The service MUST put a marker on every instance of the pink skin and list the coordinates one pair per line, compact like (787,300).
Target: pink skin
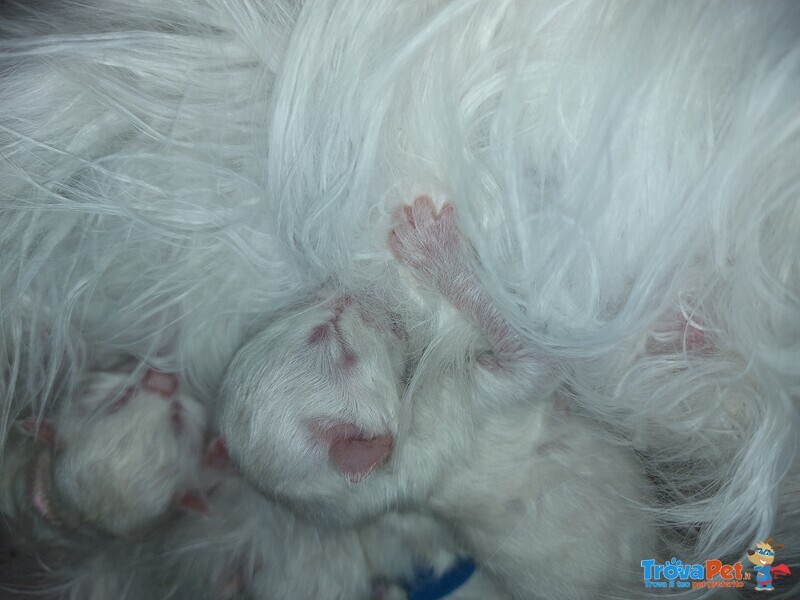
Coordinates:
(354,453)
(160,383)
(430,244)
(330,329)
(693,338)
(39,489)
(683,336)
(194,501)
(216,455)
(166,386)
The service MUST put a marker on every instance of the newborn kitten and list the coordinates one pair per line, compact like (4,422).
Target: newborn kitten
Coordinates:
(311,409)
(114,460)
(249,546)
(319,387)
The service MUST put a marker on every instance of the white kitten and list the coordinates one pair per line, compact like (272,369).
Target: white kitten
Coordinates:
(114,460)
(248,544)
(312,410)
(319,387)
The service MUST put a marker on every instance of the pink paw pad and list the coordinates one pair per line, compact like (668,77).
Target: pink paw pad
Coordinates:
(158,382)
(421,236)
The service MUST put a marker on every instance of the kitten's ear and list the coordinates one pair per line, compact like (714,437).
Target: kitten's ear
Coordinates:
(42,431)
(38,488)
(355,453)
(216,454)
(194,501)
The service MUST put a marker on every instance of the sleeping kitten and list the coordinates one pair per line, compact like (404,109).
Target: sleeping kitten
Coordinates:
(251,546)
(114,460)
(70,474)
(313,407)
(247,546)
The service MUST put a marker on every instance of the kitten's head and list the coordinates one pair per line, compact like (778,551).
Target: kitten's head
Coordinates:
(309,407)
(123,454)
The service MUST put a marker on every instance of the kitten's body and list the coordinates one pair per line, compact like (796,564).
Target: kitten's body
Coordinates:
(119,458)
(489,449)
(250,544)
(114,460)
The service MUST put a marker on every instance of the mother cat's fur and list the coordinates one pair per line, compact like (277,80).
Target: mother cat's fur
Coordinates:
(173,172)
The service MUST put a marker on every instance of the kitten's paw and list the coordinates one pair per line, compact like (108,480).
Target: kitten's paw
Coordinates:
(423,239)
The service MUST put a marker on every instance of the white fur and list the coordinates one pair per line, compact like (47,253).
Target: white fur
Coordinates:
(172,172)
(248,546)
(115,469)
(529,490)
(126,469)
(282,555)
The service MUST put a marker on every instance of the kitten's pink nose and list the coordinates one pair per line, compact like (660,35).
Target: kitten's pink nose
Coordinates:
(158,382)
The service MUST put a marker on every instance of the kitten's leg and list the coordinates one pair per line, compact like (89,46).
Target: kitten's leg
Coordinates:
(431,245)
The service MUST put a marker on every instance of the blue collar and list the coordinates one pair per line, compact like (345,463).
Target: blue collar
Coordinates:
(427,586)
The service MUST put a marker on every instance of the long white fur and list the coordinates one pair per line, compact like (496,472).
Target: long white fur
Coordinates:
(173,171)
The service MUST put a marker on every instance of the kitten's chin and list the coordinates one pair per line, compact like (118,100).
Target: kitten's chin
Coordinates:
(344,510)
(341,517)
